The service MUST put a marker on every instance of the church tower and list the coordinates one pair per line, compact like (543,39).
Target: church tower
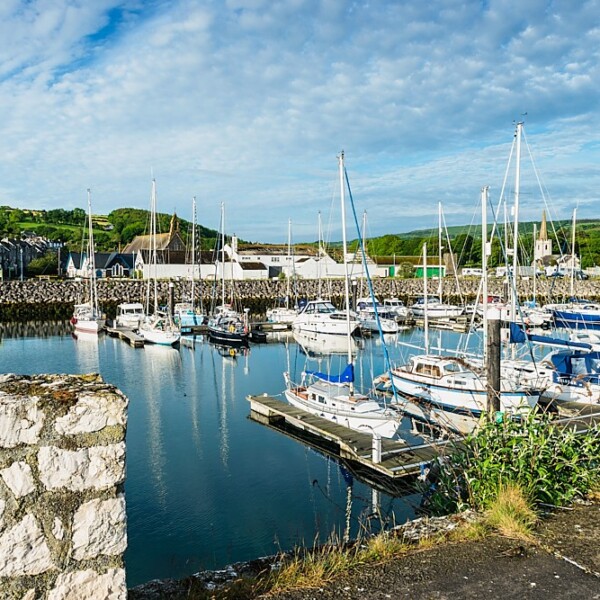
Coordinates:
(543,245)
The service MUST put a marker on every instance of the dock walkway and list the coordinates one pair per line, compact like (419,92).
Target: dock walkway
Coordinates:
(398,459)
(128,335)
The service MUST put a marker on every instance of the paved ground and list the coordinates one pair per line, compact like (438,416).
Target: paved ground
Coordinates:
(565,564)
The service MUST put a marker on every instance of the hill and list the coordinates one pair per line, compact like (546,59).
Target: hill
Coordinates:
(111,231)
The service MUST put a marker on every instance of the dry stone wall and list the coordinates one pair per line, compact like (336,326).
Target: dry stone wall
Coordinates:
(62,471)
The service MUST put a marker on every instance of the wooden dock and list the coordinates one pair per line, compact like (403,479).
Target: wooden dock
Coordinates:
(128,335)
(399,460)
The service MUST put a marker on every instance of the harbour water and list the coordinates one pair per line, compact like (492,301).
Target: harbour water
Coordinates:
(206,486)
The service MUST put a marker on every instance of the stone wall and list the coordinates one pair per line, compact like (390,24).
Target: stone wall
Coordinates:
(62,506)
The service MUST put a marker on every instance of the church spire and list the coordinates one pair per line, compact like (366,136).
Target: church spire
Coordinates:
(174,226)
(543,237)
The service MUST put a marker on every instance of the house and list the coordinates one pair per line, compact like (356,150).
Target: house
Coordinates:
(16,254)
(108,264)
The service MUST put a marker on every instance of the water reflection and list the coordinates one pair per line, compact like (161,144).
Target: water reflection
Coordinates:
(160,367)
(35,329)
(87,352)
(314,344)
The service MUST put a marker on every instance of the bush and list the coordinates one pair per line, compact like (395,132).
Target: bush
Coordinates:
(553,465)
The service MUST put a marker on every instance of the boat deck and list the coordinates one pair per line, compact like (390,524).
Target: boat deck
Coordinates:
(398,459)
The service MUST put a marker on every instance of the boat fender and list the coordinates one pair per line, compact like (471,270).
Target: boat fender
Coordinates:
(245,329)
(73,320)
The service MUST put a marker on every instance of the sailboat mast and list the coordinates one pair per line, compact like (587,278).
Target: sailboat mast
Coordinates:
(573,254)
(289,260)
(154,254)
(513,307)
(319,258)
(425,307)
(484,255)
(92,257)
(223,254)
(534,266)
(193,252)
(440,279)
(344,246)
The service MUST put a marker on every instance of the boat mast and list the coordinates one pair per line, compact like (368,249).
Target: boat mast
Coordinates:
(92,259)
(484,255)
(289,260)
(425,307)
(193,252)
(223,255)
(573,255)
(344,245)
(534,267)
(319,257)
(514,300)
(440,270)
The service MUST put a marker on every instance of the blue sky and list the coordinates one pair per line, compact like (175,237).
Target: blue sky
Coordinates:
(248,102)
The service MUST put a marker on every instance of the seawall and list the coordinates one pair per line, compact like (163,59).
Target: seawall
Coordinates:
(62,472)
(55,299)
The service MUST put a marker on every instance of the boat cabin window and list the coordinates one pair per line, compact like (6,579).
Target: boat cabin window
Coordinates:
(578,366)
(452,368)
(427,369)
(321,399)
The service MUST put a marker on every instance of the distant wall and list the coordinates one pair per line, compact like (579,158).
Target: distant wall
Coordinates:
(62,506)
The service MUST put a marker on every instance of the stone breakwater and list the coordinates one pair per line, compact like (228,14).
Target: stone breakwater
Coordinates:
(55,299)
(62,470)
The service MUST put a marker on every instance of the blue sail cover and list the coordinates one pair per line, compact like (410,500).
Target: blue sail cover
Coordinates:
(346,376)
(518,336)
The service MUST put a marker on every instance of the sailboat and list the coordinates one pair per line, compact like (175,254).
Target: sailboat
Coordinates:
(87,317)
(285,314)
(436,307)
(157,327)
(186,315)
(227,326)
(450,391)
(333,397)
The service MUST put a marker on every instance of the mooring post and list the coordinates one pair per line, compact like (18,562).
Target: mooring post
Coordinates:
(171,298)
(493,360)
(376,455)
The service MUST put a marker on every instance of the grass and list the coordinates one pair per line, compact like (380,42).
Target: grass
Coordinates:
(512,513)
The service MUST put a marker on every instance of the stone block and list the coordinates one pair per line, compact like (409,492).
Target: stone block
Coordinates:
(98,468)
(24,550)
(21,421)
(19,479)
(93,413)
(99,529)
(90,585)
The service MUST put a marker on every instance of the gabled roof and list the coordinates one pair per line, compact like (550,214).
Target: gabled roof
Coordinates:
(252,266)
(76,258)
(144,242)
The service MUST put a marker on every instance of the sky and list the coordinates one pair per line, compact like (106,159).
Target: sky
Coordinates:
(249,102)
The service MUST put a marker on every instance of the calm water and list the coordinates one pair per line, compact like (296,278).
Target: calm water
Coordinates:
(206,486)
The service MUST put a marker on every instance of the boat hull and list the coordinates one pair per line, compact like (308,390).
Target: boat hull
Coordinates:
(383,425)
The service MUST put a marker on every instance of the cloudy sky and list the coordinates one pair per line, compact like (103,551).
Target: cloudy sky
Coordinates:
(248,102)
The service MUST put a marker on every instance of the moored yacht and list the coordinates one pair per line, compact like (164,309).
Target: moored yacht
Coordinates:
(321,316)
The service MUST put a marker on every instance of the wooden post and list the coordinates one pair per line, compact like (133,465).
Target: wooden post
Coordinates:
(493,360)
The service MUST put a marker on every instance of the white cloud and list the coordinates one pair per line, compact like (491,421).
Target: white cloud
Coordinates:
(248,102)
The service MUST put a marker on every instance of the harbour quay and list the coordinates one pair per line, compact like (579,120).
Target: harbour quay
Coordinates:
(54,299)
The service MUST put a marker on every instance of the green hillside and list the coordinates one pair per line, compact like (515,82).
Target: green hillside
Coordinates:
(111,231)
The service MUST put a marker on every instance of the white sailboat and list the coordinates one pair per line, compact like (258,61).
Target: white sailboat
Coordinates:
(157,327)
(449,391)
(87,317)
(334,397)
(186,314)
(285,314)
(227,326)
(436,307)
